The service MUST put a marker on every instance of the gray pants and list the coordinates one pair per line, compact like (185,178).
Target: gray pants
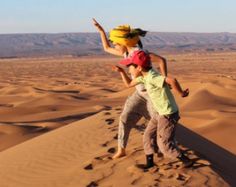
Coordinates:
(163,129)
(136,107)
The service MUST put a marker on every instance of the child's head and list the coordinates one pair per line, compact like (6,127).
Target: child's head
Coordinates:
(139,62)
(126,36)
(134,70)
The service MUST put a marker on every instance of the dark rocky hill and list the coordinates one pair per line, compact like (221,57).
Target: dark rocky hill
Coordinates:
(29,45)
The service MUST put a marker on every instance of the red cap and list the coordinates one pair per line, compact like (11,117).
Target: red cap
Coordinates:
(139,58)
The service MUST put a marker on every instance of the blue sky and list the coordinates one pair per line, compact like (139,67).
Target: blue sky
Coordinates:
(56,16)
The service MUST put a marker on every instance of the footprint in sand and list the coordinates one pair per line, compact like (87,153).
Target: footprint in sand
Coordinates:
(115,137)
(88,167)
(111,150)
(114,130)
(182,177)
(107,108)
(142,167)
(167,167)
(104,144)
(92,184)
(109,121)
(107,113)
(118,109)
(97,161)
(105,157)
(6,105)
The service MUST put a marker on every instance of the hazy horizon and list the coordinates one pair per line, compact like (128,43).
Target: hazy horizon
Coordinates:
(73,16)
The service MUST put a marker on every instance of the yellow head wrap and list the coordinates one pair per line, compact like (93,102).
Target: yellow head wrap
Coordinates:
(120,35)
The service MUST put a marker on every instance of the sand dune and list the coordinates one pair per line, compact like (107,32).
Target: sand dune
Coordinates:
(79,154)
(84,98)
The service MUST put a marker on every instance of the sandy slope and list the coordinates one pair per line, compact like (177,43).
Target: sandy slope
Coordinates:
(79,154)
(40,95)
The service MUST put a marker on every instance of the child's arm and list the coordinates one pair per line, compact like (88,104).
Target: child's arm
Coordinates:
(127,81)
(176,86)
(161,62)
(105,42)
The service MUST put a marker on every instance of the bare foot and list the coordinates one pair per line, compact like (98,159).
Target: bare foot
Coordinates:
(120,153)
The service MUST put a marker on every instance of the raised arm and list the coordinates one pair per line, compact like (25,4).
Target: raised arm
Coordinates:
(105,43)
(160,61)
(127,81)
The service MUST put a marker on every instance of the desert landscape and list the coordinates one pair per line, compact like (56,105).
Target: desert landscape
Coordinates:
(59,121)
(84,43)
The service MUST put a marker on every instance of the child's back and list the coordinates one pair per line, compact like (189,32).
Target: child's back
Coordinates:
(159,92)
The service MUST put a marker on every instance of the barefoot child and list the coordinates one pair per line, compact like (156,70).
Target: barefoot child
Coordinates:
(165,118)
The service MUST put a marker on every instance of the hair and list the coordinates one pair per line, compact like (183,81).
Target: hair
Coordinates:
(135,32)
(145,69)
(140,44)
(135,65)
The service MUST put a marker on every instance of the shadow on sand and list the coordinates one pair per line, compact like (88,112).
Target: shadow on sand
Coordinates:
(222,161)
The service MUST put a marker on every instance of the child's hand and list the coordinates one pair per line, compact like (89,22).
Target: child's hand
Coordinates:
(96,24)
(185,93)
(117,69)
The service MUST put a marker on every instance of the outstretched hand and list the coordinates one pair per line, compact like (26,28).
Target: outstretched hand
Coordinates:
(117,69)
(96,24)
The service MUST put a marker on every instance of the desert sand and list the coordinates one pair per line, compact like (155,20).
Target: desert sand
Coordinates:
(59,119)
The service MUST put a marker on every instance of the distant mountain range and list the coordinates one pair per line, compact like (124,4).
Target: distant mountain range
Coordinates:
(77,44)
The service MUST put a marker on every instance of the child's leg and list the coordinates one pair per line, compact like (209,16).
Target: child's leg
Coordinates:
(134,109)
(166,135)
(148,141)
(152,112)
(166,139)
(149,135)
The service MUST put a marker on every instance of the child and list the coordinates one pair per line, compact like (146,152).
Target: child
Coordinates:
(126,40)
(163,122)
